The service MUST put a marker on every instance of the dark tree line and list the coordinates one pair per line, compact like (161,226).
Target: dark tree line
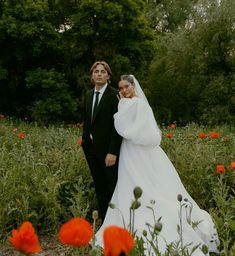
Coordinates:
(192,77)
(181,51)
(47,48)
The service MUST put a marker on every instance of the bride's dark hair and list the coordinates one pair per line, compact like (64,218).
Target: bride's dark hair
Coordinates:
(128,78)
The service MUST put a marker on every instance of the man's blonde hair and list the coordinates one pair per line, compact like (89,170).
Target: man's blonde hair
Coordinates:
(105,65)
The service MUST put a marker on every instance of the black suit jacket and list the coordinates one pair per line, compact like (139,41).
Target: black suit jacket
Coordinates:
(105,137)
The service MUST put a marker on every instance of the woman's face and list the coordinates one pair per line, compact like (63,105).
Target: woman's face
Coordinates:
(126,88)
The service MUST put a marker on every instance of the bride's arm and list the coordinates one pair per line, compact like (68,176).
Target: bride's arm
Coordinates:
(135,121)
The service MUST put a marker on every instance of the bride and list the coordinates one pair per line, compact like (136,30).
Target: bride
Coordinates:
(144,164)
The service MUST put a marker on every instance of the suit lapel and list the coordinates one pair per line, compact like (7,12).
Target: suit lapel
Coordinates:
(104,96)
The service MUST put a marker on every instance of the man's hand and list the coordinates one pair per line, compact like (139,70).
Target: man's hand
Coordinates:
(110,160)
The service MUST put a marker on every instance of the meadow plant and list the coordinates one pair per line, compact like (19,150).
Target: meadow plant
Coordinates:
(45,177)
(147,244)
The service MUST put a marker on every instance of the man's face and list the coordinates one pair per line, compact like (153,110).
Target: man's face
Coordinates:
(100,75)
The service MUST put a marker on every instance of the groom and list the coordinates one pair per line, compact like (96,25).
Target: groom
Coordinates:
(101,142)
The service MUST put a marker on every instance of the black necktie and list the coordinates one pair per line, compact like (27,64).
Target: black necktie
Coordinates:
(96,104)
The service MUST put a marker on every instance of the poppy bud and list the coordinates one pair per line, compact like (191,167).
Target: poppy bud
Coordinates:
(135,205)
(179,198)
(137,192)
(112,206)
(158,226)
(145,233)
(95,215)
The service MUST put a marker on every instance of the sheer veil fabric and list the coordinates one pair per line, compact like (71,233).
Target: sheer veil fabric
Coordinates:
(143,163)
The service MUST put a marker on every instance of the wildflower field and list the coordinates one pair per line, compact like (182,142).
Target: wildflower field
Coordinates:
(45,178)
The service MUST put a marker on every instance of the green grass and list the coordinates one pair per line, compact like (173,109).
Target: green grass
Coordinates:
(44,177)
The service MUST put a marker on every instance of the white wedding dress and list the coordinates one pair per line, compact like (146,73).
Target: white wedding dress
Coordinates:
(143,163)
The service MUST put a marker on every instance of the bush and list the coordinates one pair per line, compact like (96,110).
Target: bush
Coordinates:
(51,98)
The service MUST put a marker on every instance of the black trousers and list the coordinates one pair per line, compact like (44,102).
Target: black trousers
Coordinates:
(105,178)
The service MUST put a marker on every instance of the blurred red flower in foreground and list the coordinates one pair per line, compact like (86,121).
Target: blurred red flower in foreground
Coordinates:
(76,232)
(214,135)
(169,135)
(202,135)
(232,166)
(117,240)
(21,135)
(25,239)
(220,169)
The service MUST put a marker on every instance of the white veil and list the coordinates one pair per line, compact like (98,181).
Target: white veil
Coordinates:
(141,95)
(138,89)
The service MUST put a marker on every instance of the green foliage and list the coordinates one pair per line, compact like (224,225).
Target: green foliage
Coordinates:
(190,45)
(167,15)
(67,37)
(128,41)
(191,76)
(188,152)
(223,195)
(217,104)
(196,159)
(3,73)
(44,177)
(27,40)
(52,101)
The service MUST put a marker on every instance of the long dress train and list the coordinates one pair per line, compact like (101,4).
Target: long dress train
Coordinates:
(143,163)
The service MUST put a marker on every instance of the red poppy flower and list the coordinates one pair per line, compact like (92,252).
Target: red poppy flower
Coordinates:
(25,239)
(220,169)
(202,135)
(79,125)
(169,135)
(232,166)
(117,240)
(21,135)
(79,141)
(172,126)
(76,232)
(225,138)
(214,135)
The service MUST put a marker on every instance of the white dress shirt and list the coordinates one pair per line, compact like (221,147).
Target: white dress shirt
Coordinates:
(101,91)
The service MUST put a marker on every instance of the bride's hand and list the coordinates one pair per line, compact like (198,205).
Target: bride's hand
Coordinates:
(120,95)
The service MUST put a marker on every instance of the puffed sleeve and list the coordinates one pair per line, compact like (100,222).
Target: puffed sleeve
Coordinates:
(135,121)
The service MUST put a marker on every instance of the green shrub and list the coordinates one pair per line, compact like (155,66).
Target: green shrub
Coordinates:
(51,98)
